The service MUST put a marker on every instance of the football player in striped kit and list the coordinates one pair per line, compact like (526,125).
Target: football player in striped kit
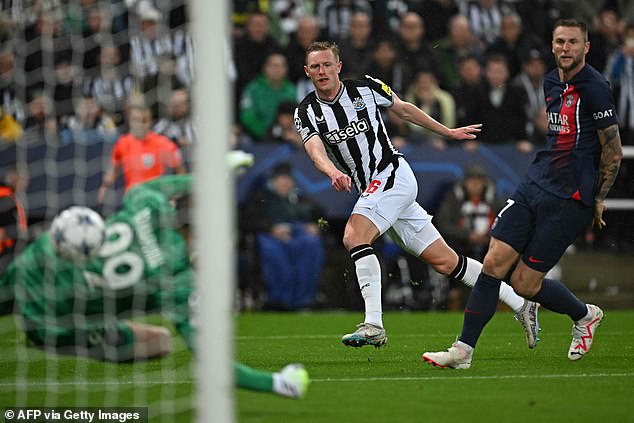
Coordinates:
(342,120)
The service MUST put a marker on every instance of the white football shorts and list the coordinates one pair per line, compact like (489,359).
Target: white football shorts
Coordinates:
(390,204)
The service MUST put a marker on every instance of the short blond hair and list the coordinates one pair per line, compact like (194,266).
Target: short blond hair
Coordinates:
(321,46)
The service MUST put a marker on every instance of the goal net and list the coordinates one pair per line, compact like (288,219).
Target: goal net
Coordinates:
(71,72)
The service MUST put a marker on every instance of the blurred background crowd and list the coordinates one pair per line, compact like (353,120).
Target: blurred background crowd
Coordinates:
(71,71)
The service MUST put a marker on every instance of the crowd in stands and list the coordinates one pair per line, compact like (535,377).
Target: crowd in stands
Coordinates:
(69,69)
(462,61)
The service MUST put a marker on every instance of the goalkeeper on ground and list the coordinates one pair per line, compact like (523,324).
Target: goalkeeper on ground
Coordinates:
(143,267)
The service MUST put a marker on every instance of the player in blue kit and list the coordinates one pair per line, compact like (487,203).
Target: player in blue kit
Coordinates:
(563,193)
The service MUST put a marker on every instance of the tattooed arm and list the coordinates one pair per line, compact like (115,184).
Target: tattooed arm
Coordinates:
(611,155)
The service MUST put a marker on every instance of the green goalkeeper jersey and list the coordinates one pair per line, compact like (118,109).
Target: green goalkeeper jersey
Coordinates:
(143,267)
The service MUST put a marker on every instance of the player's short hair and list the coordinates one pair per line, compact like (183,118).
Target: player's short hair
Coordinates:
(321,46)
(573,23)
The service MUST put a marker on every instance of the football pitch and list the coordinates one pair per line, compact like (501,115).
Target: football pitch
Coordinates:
(506,383)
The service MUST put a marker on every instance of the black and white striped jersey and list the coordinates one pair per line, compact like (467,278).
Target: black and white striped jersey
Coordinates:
(351,127)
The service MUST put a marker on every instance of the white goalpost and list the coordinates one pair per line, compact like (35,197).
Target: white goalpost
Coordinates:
(214,205)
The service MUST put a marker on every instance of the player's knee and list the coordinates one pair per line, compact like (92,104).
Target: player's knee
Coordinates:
(351,239)
(441,257)
(525,287)
(493,266)
(443,265)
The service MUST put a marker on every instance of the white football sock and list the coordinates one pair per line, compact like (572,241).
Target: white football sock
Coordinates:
(369,277)
(507,295)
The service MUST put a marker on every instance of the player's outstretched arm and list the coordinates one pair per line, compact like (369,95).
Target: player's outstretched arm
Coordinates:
(317,153)
(611,155)
(407,111)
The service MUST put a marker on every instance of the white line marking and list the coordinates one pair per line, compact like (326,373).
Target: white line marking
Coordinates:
(493,377)
(45,383)
(412,335)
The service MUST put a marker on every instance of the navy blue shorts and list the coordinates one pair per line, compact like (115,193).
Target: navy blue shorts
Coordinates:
(540,226)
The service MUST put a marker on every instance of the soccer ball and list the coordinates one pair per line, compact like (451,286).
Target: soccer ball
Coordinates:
(78,233)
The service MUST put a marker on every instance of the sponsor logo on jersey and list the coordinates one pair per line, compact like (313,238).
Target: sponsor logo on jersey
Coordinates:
(386,88)
(352,130)
(570,99)
(320,119)
(558,123)
(603,114)
(358,104)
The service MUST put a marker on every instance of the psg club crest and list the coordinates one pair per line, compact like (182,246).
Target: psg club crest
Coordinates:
(358,104)
(570,99)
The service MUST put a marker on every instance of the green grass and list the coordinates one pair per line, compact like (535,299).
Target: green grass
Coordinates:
(507,381)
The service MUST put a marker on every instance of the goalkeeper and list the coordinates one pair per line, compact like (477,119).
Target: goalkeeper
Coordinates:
(143,267)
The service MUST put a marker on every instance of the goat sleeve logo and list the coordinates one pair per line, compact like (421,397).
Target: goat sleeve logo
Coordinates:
(353,129)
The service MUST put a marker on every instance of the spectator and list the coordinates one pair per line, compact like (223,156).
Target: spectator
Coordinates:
(531,80)
(111,84)
(464,218)
(252,49)
(7,26)
(437,103)
(261,96)
(460,42)
(89,125)
(177,125)
(10,130)
(283,130)
(141,155)
(471,87)
(387,15)
(357,48)
(307,32)
(286,17)
(10,94)
(386,66)
(501,107)
(413,50)
(288,239)
(605,38)
(620,73)
(512,42)
(97,31)
(485,17)
(13,223)
(42,43)
(66,88)
(157,54)
(334,16)
(436,15)
(40,124)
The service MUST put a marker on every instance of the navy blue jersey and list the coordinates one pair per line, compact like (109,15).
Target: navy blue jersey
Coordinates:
(576,109)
